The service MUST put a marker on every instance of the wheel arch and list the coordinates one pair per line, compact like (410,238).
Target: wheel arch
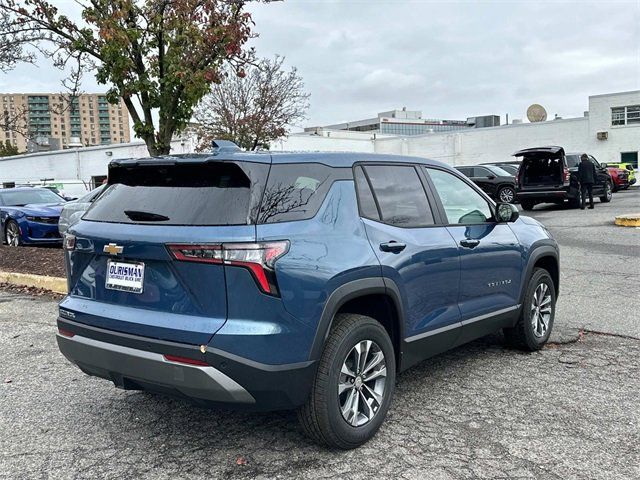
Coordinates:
(546,257)
(375,297)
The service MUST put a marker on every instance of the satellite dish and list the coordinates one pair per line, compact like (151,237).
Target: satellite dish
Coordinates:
(536,113)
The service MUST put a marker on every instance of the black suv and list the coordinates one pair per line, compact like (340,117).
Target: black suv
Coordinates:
(549,175)
(494,181)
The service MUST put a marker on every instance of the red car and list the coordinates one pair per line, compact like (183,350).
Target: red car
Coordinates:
(620,178)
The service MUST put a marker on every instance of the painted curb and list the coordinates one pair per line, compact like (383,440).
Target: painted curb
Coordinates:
(628,220)
(55,284)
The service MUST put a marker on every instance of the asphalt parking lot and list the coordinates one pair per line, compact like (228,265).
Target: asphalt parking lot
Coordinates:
(570,411)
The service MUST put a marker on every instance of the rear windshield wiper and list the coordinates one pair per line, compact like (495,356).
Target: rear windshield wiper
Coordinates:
(140,216)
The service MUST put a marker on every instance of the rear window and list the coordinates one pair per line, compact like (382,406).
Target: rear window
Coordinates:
(221,193)
(295,191)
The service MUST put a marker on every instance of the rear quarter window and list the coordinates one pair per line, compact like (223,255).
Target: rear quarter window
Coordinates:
(295,191)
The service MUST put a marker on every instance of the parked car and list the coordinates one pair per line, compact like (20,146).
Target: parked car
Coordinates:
(296,280)
(626,166)
(509,167)
(73,211)
(548,175)
(619,177)
(494,181)
(29,215)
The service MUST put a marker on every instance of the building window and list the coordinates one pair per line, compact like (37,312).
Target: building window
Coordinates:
(629,115)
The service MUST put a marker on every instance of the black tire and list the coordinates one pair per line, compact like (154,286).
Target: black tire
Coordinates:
(508,193)
(321,417)
(527,206)
(522,335)
(575,202)
(11,224)
(614,188)
(608,193)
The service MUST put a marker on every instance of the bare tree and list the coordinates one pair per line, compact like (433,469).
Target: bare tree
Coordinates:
(255,109)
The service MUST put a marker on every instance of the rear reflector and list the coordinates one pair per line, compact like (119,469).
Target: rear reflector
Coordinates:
(188,361)
(65,333)
(259,258)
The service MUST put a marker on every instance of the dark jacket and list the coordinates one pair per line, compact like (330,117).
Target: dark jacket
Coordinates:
(587,172)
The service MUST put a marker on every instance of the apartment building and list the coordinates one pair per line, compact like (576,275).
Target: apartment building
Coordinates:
(50,118)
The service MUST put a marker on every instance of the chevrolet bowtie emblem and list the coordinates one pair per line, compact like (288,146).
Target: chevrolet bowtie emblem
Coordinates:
(112,249)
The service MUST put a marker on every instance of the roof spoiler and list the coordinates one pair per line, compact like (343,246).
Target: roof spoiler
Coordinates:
(224,146)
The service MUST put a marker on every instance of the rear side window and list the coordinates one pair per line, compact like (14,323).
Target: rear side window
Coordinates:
(572,160)
(295,191)
(221,193)
(400,195)
(366,201)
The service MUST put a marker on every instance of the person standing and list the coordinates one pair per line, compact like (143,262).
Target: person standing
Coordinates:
(587,175)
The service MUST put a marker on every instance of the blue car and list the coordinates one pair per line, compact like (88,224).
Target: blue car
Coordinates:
(300,281)
(29,216)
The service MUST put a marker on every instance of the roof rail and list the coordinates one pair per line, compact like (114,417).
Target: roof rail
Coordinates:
(224,146)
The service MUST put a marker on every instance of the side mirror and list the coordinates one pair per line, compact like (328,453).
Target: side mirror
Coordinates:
(603,165)
(506,212)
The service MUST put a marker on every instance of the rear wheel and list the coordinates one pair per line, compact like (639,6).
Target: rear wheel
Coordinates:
(527,205)
(354,384)
(575,202)
(506,194)
(538,312)
(608,193)
(12,234)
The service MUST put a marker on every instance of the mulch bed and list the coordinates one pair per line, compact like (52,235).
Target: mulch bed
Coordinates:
(32,291)
(35,260)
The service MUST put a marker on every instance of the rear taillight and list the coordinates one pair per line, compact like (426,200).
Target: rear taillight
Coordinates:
(259,258)
(566,176)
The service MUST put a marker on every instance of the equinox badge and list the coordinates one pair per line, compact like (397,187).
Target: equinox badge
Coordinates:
(112,249)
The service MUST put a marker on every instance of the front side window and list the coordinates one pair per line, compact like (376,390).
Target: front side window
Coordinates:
(462,204)
(400,195)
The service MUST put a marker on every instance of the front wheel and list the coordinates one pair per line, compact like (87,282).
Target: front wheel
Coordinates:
(12,234)
(608,193)
(534,326)
(354,384)
(507,194)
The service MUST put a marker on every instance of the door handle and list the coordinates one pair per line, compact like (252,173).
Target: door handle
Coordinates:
(392,246)
(470,243)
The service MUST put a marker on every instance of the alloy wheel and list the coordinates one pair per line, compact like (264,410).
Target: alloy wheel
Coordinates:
(13,235)
(609,192)
(361,384)
(507,195)
(541,310)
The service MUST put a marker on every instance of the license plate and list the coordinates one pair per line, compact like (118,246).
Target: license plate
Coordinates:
(125,276)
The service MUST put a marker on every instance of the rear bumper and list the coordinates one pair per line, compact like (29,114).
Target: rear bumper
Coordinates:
(543,196)
(138,363)
(125,365)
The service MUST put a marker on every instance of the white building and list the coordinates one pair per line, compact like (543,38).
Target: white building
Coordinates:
(610,131)
(87,165)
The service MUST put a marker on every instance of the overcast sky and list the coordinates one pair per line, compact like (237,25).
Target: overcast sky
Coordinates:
(450,59)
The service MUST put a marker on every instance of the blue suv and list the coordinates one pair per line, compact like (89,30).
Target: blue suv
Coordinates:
(296,280)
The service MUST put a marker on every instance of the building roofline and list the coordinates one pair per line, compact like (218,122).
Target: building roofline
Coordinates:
(629,92)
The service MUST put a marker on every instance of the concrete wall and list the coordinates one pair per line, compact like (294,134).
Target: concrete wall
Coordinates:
(81,164)
(494,144)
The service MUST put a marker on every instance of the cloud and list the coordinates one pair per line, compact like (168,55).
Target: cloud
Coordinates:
(450,59)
